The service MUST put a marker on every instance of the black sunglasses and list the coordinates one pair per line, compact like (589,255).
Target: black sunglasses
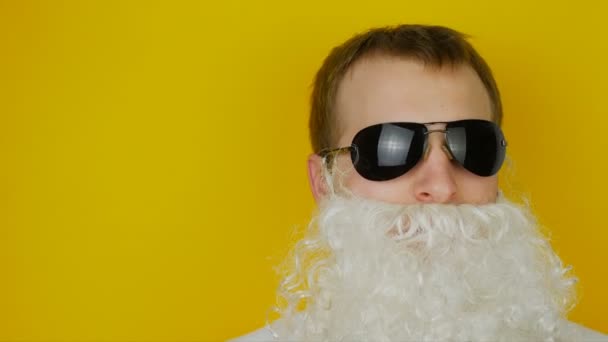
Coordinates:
(388,150)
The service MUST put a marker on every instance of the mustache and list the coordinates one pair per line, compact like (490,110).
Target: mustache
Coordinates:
(423,222)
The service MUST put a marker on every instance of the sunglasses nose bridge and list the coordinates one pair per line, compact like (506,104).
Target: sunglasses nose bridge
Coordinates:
(444,146)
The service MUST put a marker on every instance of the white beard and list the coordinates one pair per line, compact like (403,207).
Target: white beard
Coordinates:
(372,271)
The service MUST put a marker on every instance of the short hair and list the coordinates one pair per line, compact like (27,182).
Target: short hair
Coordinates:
(431,45)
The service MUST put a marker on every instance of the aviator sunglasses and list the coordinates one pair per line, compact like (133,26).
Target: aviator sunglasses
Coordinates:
(388,150)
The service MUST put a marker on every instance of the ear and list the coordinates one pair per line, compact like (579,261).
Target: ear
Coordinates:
(315,177)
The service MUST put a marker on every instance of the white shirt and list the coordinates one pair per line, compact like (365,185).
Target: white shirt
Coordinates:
(570,331)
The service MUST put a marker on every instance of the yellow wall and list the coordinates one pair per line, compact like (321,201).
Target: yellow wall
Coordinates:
(153,154)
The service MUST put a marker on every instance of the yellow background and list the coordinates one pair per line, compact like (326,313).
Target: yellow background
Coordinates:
(153,153)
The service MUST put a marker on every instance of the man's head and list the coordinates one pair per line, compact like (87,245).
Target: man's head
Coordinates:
(409,73)
(412,241)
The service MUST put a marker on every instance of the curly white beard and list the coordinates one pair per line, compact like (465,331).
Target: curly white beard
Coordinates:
(372,271)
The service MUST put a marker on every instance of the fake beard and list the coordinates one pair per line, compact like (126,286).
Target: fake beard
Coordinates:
(372,271)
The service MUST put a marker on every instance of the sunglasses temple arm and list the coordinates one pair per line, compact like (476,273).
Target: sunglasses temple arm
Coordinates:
(328,154)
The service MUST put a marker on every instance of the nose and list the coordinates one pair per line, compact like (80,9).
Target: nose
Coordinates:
(434,178)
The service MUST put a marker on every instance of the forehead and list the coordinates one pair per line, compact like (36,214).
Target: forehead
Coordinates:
(392,89)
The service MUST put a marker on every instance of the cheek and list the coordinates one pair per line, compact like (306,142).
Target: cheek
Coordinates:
(382,191)
(346,174)
(396,191)
(478,190)
(360,186)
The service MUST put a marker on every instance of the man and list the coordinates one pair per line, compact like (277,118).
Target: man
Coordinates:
(413,240)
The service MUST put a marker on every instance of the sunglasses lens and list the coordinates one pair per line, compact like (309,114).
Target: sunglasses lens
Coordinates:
(478,145)
(386,151)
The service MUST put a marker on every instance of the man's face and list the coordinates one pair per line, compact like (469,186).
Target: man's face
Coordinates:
(387,89)
(419,268)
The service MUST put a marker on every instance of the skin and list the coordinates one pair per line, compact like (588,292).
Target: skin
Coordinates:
(381,89)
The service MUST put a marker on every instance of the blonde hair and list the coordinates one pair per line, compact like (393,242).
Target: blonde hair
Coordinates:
(431,45)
